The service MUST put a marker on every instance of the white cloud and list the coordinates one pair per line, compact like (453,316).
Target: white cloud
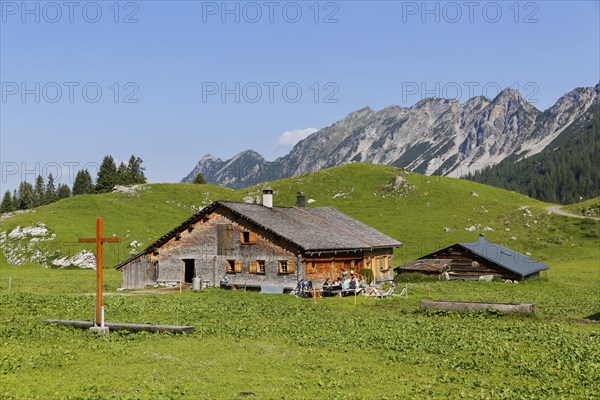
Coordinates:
(290,138)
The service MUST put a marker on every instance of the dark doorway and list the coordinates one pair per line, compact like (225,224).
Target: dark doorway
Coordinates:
(189,270)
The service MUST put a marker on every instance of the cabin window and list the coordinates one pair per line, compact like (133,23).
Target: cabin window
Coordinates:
(230,266)
(386,264)
(257,267)
(382,263)
(247,237)
(234,266)
(286,267)
(283,267)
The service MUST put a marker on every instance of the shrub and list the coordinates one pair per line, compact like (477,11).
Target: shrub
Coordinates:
(415,277)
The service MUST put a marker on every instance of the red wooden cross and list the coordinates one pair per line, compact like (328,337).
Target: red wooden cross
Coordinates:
(99,240)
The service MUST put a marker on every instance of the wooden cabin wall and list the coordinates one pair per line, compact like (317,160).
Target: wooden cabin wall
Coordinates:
(139,274)
(318,268)
(217,239)
(381,262)
(470,265)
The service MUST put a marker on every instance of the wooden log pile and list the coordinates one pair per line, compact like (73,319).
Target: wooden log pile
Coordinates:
(522,308)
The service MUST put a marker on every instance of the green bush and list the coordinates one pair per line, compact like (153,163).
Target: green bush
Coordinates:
(415,277)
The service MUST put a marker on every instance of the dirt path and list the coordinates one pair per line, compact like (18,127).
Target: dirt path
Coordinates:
(557,210)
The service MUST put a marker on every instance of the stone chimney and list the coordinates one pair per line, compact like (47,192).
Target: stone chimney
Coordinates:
(481,237)
(300,199)
(267,197)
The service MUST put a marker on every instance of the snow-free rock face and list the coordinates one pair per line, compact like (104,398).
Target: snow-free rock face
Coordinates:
(25,244)
(434,137)
(552,122)
(28,244)
(208,166)
(83,259)
(247,166)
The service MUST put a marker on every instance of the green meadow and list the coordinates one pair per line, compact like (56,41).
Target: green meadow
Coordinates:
(249,345)
(589,207)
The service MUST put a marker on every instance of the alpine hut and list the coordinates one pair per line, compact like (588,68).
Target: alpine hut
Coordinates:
(251,245)
(472,260)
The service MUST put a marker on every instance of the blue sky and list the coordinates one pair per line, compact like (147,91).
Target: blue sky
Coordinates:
(172,81)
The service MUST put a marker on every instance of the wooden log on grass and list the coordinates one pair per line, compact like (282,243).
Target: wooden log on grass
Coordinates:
(124,326)
(522,308)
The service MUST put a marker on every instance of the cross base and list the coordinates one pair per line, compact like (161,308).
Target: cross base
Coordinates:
(100,330)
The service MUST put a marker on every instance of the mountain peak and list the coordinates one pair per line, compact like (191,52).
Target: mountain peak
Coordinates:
(249,154)
(359,113)
(435,102)
(476,100)
(508,94)
(435,136)
(207,158)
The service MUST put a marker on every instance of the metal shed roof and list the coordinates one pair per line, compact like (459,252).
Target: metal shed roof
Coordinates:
(513,261)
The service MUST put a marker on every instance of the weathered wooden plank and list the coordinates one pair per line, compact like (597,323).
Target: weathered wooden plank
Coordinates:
(523,308)
(124,326)
(74,324)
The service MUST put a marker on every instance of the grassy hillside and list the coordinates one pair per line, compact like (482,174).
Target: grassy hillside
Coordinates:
(589,208)
(249,345)
(416,212)
(281,347)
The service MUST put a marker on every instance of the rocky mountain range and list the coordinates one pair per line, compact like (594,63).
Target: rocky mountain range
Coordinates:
(434,137)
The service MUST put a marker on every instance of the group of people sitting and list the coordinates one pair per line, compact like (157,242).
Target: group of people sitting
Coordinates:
(345,282)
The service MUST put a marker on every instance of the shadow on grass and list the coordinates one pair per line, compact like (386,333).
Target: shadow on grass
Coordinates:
(594,317)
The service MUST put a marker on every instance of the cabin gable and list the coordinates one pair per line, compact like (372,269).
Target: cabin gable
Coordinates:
(221,245)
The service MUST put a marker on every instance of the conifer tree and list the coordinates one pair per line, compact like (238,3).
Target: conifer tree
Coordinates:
(83,183)
(135,171)
(199,179)
(63,191)
(122,175)
(39,192)
(107,175)
(26,196)
(50,195)
(7,203)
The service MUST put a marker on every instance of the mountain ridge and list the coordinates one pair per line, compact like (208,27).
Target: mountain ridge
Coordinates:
(563,172)
(435,136)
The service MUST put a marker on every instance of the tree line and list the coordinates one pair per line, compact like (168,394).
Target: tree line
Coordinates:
(565,172)
(45,192)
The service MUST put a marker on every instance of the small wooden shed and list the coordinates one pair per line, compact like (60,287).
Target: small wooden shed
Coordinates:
(254,245)
(474,259)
